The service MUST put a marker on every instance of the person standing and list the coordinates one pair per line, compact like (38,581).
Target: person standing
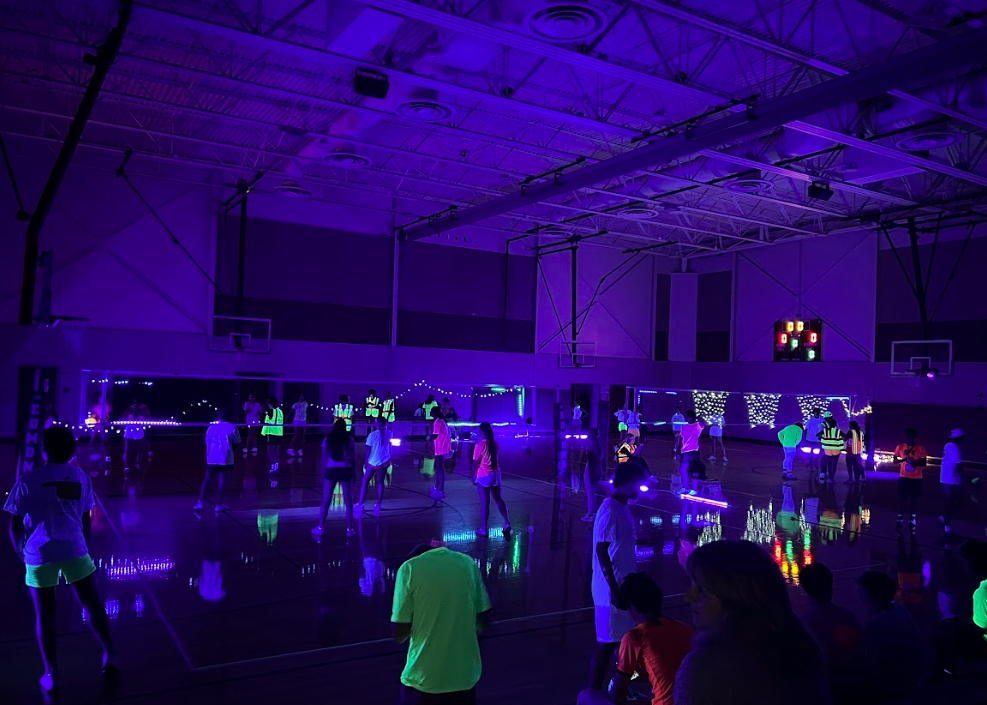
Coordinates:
(221,437)
(376,462)
(813,430)
(442,443)
(854,454)
(634,423)
(252,411)
(371,409)
(299,418)
(440,605)
(577,418)
(427,407)
(613,560)
(51,508)
(387,410)
(653,650)
(790,437)
(273,430)
(911,459)
(951,480)
(343,410)
(833,443)
(688,448)
(593,472)
(135,444)
(338,463)
(678,421)
(716,424)
(622,415)
(488,479)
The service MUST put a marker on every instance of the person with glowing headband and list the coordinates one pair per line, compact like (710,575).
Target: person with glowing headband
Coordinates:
(614,559)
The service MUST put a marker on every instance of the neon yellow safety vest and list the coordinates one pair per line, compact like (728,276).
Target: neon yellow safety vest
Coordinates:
(389,410)
(273,423)
(831,438)
(372,408)
(343,411)
(625,452)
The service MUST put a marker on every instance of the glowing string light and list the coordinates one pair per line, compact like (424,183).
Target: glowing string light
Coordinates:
(709,404)
(762,409)
(808,402)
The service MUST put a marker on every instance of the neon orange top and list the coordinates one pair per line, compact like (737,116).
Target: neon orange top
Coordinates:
(905,454)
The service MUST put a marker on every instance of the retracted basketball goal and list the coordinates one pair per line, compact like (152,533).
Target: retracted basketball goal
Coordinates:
(918,358)
(577,353)
(240,335)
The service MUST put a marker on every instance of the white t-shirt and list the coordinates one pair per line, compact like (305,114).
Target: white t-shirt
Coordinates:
(253,410)
(949,472)
(813,427)
(621,416)
(379,449)
(52,500)
(614,525)
(678,421)
(577,413)
(716,423)
(301,411)
(219,443)
(633,420)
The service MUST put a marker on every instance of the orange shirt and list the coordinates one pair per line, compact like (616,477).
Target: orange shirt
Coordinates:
(916,454)
(656,650)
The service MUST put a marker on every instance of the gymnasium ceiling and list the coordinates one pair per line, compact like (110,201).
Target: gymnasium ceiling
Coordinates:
(487,95)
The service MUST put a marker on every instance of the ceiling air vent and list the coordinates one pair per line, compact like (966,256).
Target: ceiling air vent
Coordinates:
(637,212)
(425,110)
(924,140)
(553,231)
(347,160)
(749,185)
(565,22)
(292,190)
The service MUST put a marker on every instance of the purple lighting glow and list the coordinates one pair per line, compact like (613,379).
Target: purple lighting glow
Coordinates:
(705,500)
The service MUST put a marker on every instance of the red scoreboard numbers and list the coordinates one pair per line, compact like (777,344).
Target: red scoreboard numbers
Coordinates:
(798,341)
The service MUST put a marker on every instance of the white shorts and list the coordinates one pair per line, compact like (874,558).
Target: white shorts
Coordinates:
(612,624)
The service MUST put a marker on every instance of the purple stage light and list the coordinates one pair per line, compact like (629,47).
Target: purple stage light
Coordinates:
(643,488)
(705,500)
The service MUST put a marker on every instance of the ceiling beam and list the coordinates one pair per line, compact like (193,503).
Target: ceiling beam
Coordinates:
(157,16)
(920,65)
(720,27)
(440,18)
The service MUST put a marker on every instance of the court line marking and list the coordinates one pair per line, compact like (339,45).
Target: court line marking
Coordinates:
(147,586)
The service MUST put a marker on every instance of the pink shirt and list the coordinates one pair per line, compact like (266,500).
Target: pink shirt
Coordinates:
(443,442)
(481,453)
(690,436)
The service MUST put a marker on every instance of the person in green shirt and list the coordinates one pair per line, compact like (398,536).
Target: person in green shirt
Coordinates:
(790,437)
(440,605)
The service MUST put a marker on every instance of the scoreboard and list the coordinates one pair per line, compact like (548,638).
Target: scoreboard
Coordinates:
(798,341)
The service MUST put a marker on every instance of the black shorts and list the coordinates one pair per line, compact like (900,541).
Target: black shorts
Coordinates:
(273,440)
(344,474)
(219,468)
(909,488)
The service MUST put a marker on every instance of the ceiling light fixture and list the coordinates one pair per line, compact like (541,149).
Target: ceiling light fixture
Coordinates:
(925,140)
(292,190)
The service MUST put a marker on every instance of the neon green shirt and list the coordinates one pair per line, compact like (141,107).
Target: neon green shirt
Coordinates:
(790,436)
(980,607)
(440,593)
